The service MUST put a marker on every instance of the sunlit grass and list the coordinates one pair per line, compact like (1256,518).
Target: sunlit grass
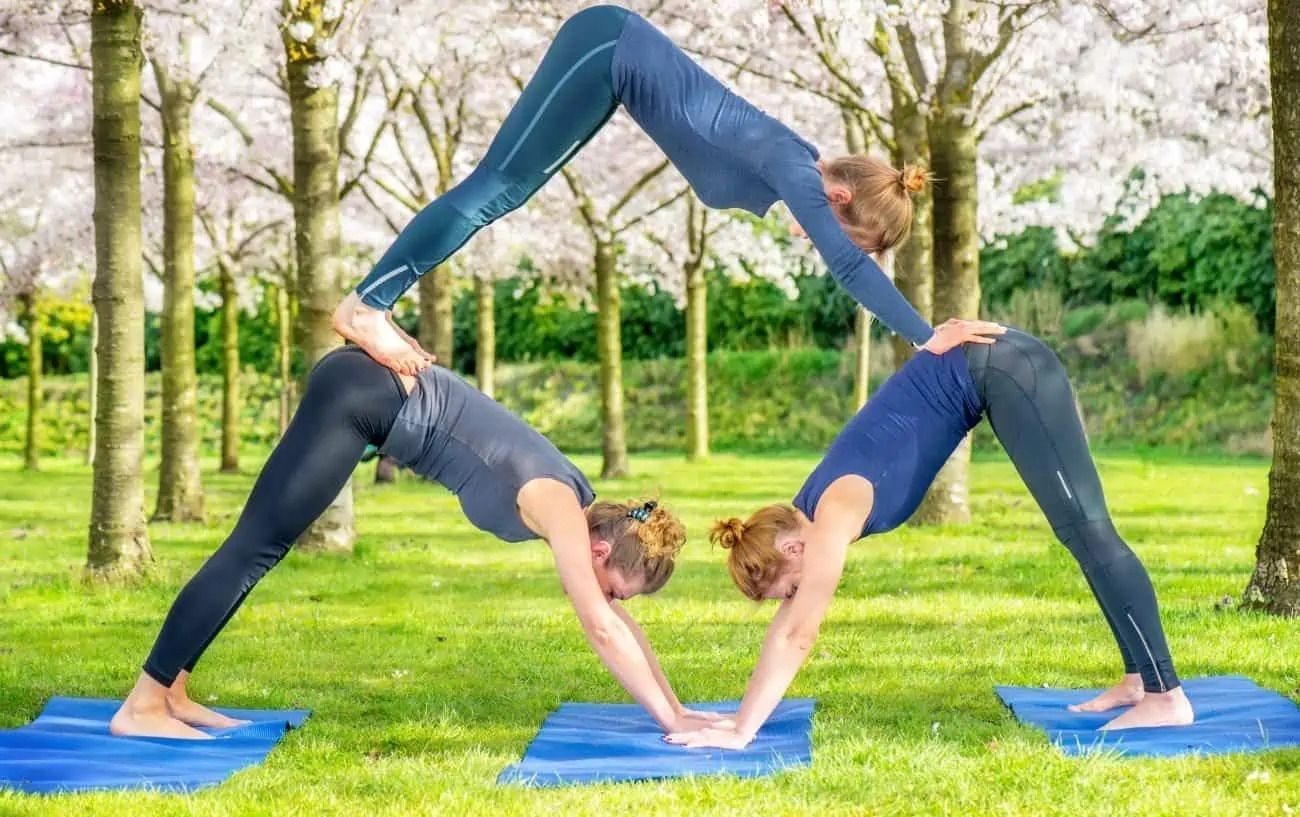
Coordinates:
(432,655)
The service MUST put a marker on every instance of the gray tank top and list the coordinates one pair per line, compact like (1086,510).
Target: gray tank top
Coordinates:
(452,433)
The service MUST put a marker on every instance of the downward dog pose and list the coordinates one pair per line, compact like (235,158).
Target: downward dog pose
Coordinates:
(731,153)
(877,471)
(511,482)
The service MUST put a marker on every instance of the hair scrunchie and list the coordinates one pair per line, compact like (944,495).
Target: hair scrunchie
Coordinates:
(642,513)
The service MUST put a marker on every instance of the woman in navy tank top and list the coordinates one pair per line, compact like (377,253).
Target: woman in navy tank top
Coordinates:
(875,474)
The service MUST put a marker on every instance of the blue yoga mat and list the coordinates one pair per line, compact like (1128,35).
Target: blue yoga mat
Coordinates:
(1233,714)
(68,748)
(610,743)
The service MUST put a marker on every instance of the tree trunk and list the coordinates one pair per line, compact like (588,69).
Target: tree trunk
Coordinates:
(697,361)
(1275,584)
(180,493)
(35,366)
(485,311)
(118,540)
(314,115)
(609,348)
(436,304)
(93,387)
(284,353)
(855,139)
(913,262)
(861,357)
(230,397)
(953,142)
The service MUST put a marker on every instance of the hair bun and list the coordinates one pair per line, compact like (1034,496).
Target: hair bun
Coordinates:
(728,532)
(913,178)
(660,533)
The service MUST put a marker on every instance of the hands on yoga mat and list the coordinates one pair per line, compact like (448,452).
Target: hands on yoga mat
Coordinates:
(607,743)
(68,748)
(1233,714)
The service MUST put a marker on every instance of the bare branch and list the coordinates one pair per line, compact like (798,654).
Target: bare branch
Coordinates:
(1010,114)
(368,196)
(643,216)
(585,208)
(48,60)
(912,56)
(409,202)
(244,245)
(362,74)
(1127,34)
(637,186)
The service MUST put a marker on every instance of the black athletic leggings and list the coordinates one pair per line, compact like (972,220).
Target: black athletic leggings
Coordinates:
(1027,398)
(350,401)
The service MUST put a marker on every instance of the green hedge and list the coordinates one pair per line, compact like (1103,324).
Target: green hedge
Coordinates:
(760,401)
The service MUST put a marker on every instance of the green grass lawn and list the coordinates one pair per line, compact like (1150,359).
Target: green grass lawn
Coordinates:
(432,655)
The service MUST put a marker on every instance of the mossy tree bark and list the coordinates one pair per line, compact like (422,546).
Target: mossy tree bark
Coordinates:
(914,261)
(93,388)
(953,151)
(284,350)
(855,139)
(180,490)
(486,339)
(314,117)
(230,393)
(605,229)
(609,352)
(1275,583)
(697,331)
(35,367)
(118,540)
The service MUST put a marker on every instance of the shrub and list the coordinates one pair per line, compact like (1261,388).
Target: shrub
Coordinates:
(1173,344)
(1038,311)
(1083,320)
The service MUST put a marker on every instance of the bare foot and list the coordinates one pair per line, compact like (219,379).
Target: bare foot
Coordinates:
(370,329)
(1126,693)
(196,714)
(1156,709)
(144,720)
(414,344)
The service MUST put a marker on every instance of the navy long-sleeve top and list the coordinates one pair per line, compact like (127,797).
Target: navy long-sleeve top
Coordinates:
(735,155)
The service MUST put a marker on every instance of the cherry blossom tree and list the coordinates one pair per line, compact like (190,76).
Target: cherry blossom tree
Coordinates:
(184,42)
(1275,584)
(119,541)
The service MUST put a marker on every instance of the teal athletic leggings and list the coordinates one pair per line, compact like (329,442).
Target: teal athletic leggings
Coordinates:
(566,102)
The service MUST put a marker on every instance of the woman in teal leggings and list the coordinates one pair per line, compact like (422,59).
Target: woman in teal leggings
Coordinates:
(731,153)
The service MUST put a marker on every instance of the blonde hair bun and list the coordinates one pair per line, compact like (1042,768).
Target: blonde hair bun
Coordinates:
(913,178)
(727,532)
(661,534)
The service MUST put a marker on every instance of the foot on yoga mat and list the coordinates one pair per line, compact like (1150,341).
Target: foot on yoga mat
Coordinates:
(608,743)
(68,748)
(1233,714)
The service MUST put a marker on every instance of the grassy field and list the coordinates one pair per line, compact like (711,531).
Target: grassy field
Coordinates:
(432,655)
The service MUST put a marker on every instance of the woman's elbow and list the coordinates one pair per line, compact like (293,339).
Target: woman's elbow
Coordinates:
(800,638)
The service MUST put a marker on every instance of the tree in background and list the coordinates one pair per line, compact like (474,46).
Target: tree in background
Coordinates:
(171,56)
(442,111)
(32,254)
(119,541)
(308,29)
(1275,584)
(239,226)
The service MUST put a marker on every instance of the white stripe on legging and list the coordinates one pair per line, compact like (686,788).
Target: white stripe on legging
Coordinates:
(1152,658)
(1063,485)
(545,102)
(381,279)
(563,156)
